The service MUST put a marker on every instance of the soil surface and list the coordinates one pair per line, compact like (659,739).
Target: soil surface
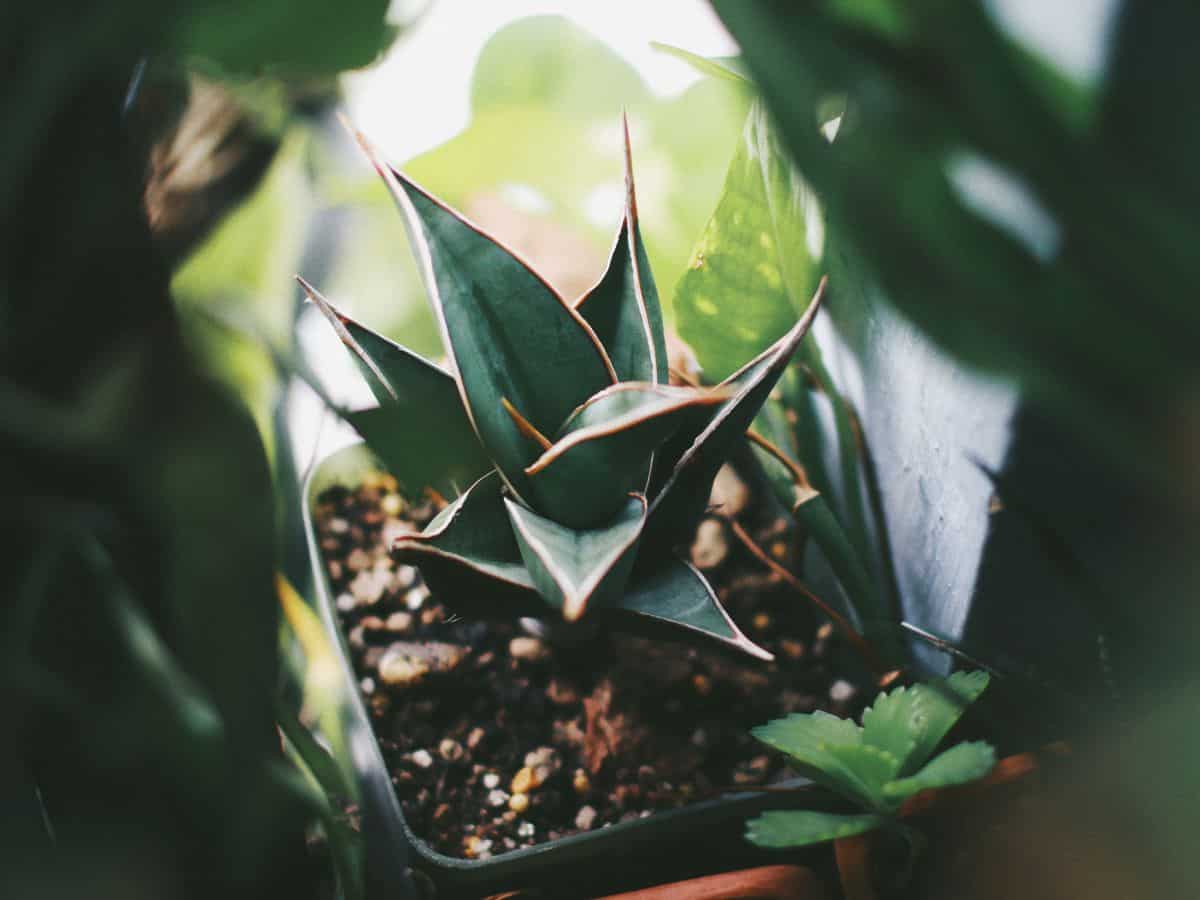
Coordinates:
(498,739)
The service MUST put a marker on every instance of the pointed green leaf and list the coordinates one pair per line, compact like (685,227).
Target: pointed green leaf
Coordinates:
(683,493)
(677,595)
(800,827)
(572,568)
(604,450)
(420,430)
(471,537)
(961,764)
(623,308)
(909,722)
(509,334)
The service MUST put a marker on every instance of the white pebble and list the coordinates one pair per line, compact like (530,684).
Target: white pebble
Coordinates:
(585,818)
(367,685)
(497,798)
(423,759)
(346,602)
(841,691)
(415,598)
(525,830)
(491,781)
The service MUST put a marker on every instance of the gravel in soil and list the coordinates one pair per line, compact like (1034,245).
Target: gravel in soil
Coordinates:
(498,739)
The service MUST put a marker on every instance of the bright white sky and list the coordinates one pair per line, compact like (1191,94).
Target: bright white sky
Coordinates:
(393,104)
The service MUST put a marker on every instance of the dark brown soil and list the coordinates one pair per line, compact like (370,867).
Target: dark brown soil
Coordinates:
(497,739)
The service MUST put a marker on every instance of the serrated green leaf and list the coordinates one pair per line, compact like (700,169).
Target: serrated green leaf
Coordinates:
(473,534)
(800,827)
(683,493)
(510,336)
(813,741)
(420,430)
(866,766)
(605,447)
(676,594)
(574,568)
(910,721)
(961,764)
(623,308)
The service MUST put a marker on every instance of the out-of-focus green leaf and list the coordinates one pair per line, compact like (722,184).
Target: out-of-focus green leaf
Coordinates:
(573,569)
(962,763)
(758,260)
(510,335)
(728,67)
(800,827)
(605,447)
(675,593)
(306,38)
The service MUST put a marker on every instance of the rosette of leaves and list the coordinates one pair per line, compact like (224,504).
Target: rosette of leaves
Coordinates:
(875,766)
(575,465)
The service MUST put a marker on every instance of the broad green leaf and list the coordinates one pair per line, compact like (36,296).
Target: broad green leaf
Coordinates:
(818,743)
(683,493)
(757,262)
(910,721)
(574,568)
(962,763)
(472,533)
(509,335)
(801,827)
(605,448)
(675,594)
(623,308)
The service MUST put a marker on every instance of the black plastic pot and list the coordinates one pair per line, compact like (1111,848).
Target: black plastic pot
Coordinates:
(700,839)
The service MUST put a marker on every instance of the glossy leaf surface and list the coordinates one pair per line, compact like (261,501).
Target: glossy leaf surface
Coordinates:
(961,764)
(605,449)
(572,569)
(800,827)
(510,336)
(675,593)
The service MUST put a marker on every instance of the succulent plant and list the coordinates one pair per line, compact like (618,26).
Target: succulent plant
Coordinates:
(575,465)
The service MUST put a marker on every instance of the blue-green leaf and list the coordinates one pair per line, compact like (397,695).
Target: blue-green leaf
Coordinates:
(683,494)
(420,430)
(800,827)
(961,764)
(509,335)
(677,595)
(572,568)
(623,308)
(473,534)
(604,450)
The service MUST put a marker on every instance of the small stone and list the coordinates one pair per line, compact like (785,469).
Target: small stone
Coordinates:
(523,781)
(405,663)
(367,685)
(518,803)
(779,550)
(450,750)
(392,504)
(473,739)
(543,756)
(700,738)
(335,569)
(791,648)
(392,531)
(477,847)
(525,830)
(399,622)
(416,597)
(338,526)
(346,602)
(711,546)
(825,632)
(357,637)
(358,560)
(431,616)
(585,818)
(491,781)
(581,782)
(729,493)
(702,684)
(841,691)
(761,621)
(422,759)
(497,798)
(527,649)
(372,623)
(561,694)
(367,587)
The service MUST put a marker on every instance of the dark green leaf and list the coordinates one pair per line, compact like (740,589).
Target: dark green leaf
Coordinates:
(961,764)
(800,827)
(676,594)
(420,430)
(605,448)
(682,495)
(623,308)
(472,533)
(509,335)
(574,568)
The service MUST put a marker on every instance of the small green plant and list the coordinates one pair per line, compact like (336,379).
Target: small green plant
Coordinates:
(875,766)
(576,467)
